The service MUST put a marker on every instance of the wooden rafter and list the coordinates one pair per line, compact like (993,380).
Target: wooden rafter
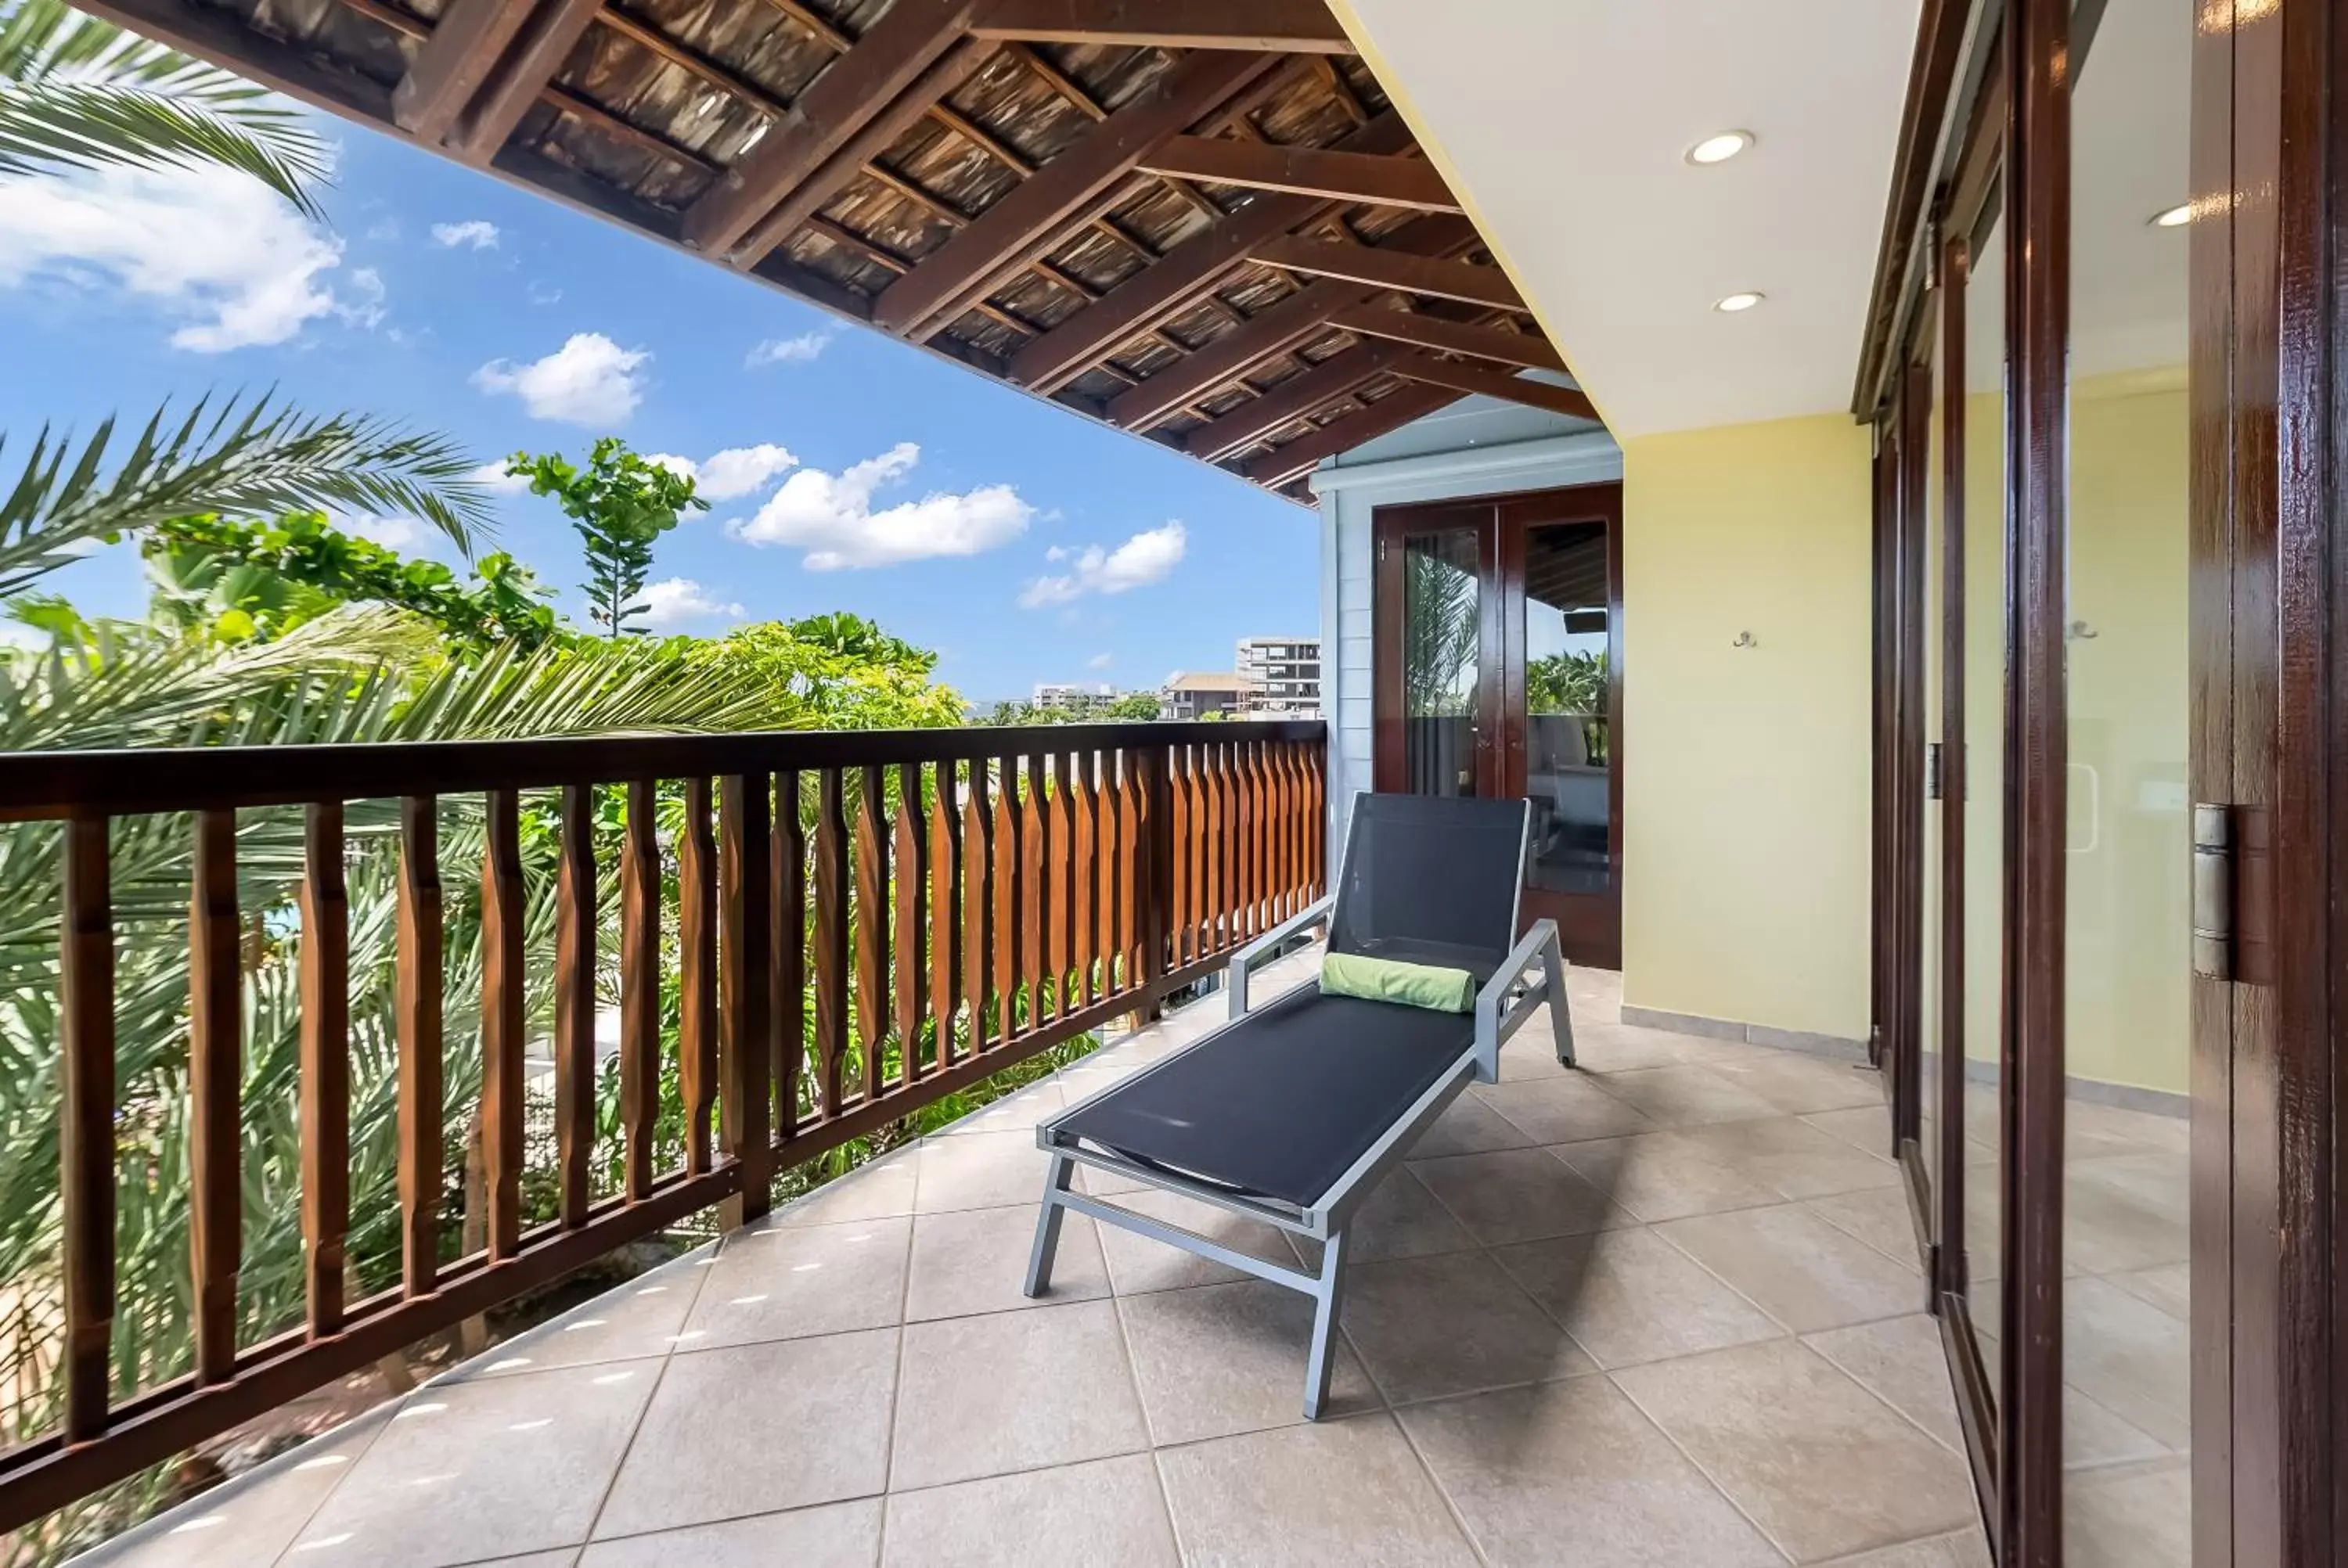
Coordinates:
(1423,331)
(1286,26)
(1296,398)
(1501,383)
(1384,268)
(856,89)
(1392,412)
(1306,171)
(1275,329)
(1074,186)
(547,39)
(454,63)
(1188,271)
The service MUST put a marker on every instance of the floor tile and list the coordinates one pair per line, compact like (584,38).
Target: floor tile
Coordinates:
(979,1170)
(2088,1127)
(1795,1159)
(2129,1356)
(438,1484)
(2093,1437)
(2168,1287)
(728,1432)
(565,1557)
(1517,1194)
(1428,1326)
(1467,1127)
(1901,1361)
(1526,1054)
(1798,1268)
(2126,1213)
(1343,1494)
(1014,1390)
(1666,1175)
(1399,1219)
(251,1519)
(1564,1110)
(1013,1113)
(1795,1082)
(1623,1048)
(1880,1217)
(883,1190)
(1785,1434)
(786,1282)
(975,1260)
(1684,1096)
(1629,1295)
(2141,1518)
(1138,1263)
(1867,1128)
(1958,1549)
(1106,1511)
(834,1535)
(639,1318)
(1573,1472)
(1224,1358)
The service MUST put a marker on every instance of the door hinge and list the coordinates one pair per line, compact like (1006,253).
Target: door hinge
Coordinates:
(2213,891)
(1932,771)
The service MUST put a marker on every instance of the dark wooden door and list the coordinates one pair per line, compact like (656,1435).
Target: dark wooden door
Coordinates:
(1497,673)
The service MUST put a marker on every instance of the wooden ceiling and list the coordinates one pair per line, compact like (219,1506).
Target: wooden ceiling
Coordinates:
(1199,220)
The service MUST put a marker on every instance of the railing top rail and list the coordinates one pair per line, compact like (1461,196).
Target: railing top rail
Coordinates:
(62,785)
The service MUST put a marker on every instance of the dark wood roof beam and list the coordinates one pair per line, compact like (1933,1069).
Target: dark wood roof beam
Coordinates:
(1385,268)
(1190,271)
(1306,171)
(1501,383)
(454,63)
(1423,331)
(853,91)
(1300,457)
(1071,189)
(1283,26)
(552,31)
(1298,397)
(1277,328)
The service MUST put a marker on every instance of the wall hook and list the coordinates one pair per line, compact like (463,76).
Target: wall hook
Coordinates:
(1745,640)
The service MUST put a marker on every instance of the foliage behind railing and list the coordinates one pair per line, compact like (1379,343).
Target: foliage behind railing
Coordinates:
(807,937)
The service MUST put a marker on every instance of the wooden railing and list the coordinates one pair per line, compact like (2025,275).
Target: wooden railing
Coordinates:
(862,923)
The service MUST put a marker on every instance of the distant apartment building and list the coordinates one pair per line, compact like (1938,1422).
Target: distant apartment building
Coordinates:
(1075,696)
(1187,695)
(1283,676)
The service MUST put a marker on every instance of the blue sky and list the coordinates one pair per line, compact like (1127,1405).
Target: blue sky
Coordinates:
(1077,553)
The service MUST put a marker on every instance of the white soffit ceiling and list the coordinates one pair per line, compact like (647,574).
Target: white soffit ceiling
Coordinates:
(1564,124)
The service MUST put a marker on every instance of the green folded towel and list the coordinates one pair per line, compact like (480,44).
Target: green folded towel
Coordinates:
(1392,981)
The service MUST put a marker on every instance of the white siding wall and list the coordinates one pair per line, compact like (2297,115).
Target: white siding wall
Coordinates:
(1475,449)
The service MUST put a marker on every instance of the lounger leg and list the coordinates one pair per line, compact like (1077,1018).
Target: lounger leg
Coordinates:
(1327,1303)
(1561,1011)
(1047,1225)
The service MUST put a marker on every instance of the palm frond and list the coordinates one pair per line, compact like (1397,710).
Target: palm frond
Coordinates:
(78,92)
(242,456)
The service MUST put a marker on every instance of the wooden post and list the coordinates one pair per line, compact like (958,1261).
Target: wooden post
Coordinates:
(745,1047)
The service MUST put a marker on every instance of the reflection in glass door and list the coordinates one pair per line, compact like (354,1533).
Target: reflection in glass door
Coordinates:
(1441,625)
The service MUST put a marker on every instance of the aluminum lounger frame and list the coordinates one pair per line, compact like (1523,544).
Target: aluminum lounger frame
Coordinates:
(1502,1007)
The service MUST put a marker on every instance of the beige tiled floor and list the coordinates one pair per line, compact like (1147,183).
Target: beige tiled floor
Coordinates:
(1664,1309)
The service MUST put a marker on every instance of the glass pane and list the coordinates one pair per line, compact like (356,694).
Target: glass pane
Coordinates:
(2126,948)
(1439,618)
(1567,718)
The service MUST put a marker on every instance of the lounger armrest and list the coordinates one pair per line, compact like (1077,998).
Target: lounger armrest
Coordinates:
(1263,948)
(1538,945)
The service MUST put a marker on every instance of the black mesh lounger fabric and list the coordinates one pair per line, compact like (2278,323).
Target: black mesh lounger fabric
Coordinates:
(1431,880)
(1281,1103)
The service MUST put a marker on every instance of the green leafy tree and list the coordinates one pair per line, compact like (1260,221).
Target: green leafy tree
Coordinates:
(621,504)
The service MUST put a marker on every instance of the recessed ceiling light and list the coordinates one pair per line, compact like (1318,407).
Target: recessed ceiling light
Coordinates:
(1720,149)
(1734,302)
(2176,217)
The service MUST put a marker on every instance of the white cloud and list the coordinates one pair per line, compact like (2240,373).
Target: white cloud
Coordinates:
(364,308)
(493,476)
(1058,552)
(214,249)
(397,532)
(830,517)
(732,474)
(477,232)
(789,350)
(678,601)
(683,467)
(1100,662)
(590,380)
(1144,559)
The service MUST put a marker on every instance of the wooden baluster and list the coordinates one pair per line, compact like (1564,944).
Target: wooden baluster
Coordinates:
(1275,834)
(86,1125)
(1152,863)
(503,1020)
(215,1083)
(1234,846)
(1210,791)
(1059,897)
(830,942)
(696,875)
(1008,953)
(1182,890)
(745,966)
(1258,878)
(640,984)
(1035,884)
(977,902)
(790,954)
(1084,883)
(574,1001)
(945,911)
(1316,807)
(1129,868)
(417,1011)
(913,876)
(1243,885)
(325,1086)
(872,924)
(1111,840)
(1291,851)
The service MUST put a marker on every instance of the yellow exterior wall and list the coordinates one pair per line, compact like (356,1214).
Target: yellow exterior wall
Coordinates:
(1745,789)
